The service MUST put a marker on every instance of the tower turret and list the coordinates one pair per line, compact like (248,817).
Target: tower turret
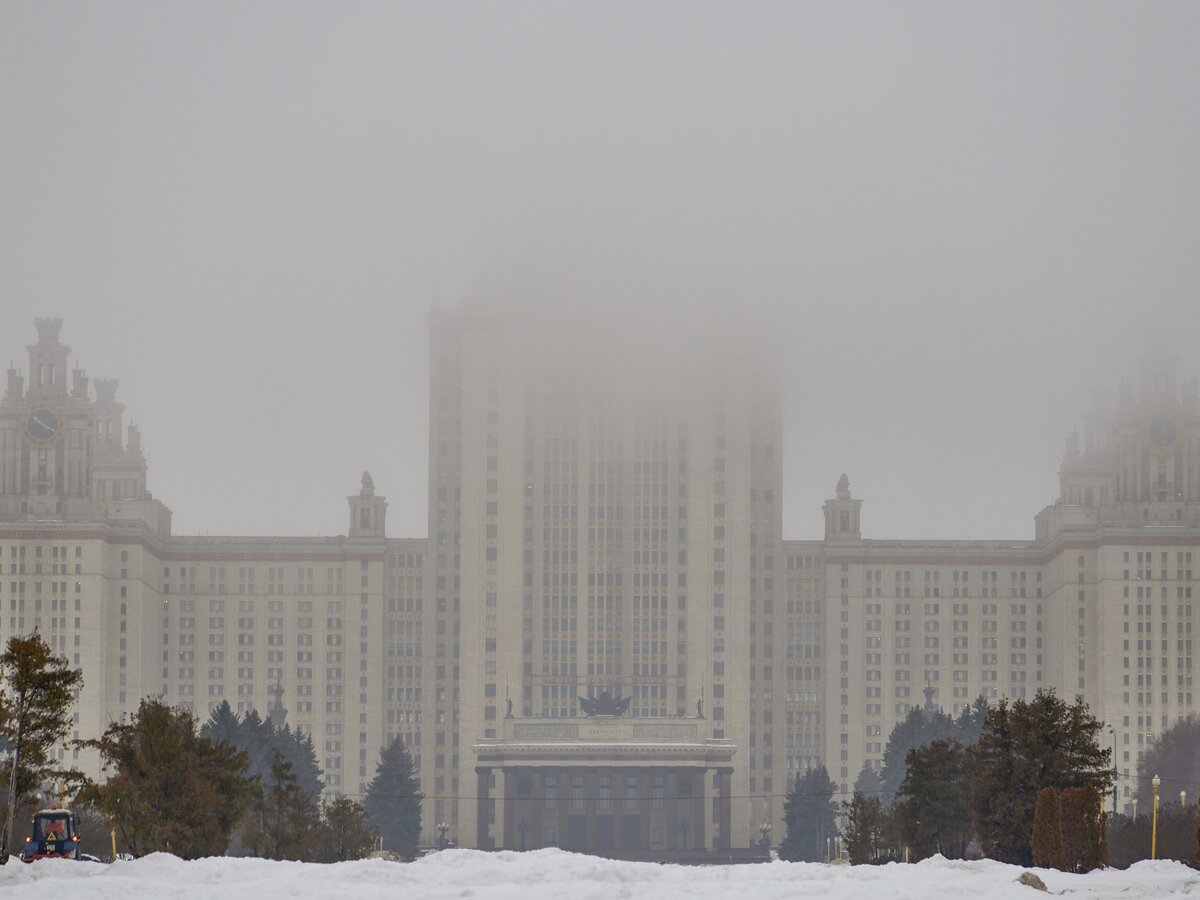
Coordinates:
(367,511)
(108,413)
(48,361)
(842,514)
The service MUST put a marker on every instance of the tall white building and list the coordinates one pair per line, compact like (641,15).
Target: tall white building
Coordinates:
(602,521)
(604,518)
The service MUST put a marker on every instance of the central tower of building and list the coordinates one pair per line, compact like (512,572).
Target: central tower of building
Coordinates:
(604,517)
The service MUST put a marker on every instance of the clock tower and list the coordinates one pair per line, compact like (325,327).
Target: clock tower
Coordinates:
(45,439)
(63,456)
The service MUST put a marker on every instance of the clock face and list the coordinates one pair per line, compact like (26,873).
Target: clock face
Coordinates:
(1163,434)
(42,424)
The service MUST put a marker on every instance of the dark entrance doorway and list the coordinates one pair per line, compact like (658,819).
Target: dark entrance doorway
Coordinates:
(631,833)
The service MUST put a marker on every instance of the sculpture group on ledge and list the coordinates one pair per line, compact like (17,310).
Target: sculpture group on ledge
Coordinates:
(605,705)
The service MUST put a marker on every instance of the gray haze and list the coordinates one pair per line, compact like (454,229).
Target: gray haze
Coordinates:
(954,220)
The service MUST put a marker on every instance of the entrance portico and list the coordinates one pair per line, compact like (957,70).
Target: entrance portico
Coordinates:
(605,785)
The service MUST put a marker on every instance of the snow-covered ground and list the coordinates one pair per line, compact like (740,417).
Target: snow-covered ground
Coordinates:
(557,875)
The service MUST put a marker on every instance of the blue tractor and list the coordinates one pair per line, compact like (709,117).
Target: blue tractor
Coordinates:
(55,835)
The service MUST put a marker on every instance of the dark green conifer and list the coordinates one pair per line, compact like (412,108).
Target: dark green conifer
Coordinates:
(393,800)
(169,789)
(810,817)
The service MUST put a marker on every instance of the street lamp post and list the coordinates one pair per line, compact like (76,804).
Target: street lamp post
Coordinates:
(765,830)
(1113,732)
(1154,821)
(442,828)
(1182,800)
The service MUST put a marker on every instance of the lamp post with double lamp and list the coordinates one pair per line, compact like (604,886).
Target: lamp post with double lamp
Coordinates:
(442,828)
(765,830)
(1155,782)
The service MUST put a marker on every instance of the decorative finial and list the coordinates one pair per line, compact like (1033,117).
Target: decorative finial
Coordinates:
(368,484)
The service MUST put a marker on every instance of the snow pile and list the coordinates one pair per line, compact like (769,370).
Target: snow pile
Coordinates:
(557,875)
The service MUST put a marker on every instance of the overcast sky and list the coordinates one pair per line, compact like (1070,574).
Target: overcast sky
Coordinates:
(957,219)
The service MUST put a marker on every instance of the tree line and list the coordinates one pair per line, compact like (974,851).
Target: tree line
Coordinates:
(231,784)
(1022,782)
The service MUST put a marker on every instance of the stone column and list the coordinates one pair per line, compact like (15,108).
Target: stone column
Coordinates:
(483,787)
(537,807)
(563,805)
(725,809)
(671,836)
(645,811)
(511,841)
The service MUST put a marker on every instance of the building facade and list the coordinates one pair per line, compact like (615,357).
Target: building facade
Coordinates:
(1099,605)
(604,519)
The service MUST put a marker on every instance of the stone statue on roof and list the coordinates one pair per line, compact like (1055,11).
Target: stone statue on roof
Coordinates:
(843,487)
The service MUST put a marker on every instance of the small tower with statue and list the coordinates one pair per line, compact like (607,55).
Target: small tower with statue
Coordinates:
(842,514)
(367,511)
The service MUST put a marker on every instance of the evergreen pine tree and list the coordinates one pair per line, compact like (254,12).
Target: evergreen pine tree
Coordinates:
(1174,756)
(918,729)
(35,714)
(933,807)
(393,800)
(169,789)
(866,829)
(810,817)
(1023,748)
(290,817)
(969,724)
(299,750)
(996,812)
(345,831)
(868,781)
(254,736)
(222,725)
(261,739)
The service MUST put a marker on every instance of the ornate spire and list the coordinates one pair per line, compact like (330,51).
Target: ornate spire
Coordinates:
(275,709)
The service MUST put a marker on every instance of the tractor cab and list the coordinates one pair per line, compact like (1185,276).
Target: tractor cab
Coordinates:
(55,835)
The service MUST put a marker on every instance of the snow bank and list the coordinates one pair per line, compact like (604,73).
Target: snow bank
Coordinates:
(557,875)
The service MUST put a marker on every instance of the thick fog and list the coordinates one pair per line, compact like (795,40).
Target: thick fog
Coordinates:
(951,220)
